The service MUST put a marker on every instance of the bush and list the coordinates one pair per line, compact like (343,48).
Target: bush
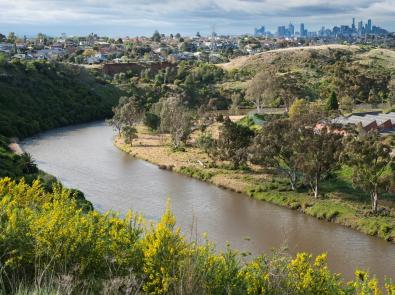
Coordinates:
(152,121)
(48,243)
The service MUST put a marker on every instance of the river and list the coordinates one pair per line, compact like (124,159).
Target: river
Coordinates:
(84,157)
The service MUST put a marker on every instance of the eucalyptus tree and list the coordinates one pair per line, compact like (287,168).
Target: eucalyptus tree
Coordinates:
(261,89)
(275,146)
(318,154)
(372,164)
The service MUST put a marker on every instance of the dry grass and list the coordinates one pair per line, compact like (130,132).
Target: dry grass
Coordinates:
(155,148)
(268,56)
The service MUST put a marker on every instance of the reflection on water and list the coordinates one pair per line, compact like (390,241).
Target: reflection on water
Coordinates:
(83,157)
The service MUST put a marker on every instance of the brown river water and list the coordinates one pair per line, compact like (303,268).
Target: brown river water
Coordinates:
(84,157)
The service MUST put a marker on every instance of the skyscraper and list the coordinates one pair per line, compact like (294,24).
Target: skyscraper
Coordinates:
(353,24)
(360,28)
(302,30)
(369,28)
(291,30)
(281,31)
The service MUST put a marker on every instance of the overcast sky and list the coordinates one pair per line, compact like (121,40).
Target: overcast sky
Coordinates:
(121,18)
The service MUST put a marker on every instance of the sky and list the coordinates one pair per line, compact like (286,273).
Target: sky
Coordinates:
(120,18)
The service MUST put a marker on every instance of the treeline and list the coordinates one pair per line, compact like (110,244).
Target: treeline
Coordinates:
(49,245)
(270,80)
(37,96)
(198,84)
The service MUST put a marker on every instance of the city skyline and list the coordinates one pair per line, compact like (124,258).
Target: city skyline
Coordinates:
(355,28)
(142,17)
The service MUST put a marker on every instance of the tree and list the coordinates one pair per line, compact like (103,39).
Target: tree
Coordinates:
(3,38)
(3,59)
(275,146)
(392,91)
(318,154)
(233,142)
(127,114)
(332,104)
(152,121)
(299,108)
(116,121)
(371,162)
(177,120)
(27,164)
(11,38)
(290,86)
(347,104)
(129,133)
(260,89)
(156,37)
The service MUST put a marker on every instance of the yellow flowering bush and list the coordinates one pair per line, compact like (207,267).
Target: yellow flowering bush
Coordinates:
(48,240)
(164,249)
(306,277)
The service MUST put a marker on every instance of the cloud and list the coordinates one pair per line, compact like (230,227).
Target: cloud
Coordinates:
(230,16)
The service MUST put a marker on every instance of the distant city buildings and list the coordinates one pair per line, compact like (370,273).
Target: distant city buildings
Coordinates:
(342,31)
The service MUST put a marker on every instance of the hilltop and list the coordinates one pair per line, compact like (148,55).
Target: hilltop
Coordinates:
(324,53)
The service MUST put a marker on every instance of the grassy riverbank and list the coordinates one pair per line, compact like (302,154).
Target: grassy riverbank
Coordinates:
(341,203)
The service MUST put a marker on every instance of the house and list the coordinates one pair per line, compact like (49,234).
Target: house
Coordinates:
(383,123)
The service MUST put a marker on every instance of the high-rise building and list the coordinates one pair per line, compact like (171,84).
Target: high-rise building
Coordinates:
(369,28)
(302,30)
(360,27)
(261,31)
(281,31)
(353,24)
(291,30)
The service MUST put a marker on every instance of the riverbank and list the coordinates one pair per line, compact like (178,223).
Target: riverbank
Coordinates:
(341,203)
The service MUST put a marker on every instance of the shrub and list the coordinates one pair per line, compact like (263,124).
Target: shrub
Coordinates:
(152,121)
(48,243)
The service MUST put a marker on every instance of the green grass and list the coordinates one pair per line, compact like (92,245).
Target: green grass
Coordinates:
(201,174)
(341,204)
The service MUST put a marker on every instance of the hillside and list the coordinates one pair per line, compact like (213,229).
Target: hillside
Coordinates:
(325,53)
(37,96)
(358,73)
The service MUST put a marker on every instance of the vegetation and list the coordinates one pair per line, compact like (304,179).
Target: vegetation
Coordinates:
(293,162)
(115,255)
(371,163)
(315,73)
(37,96)
(232,143)
(176,120)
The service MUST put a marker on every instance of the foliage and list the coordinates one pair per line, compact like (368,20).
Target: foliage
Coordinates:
(318,154)
(177,120)
(355,76)
(37,96)
(276,146)
(371,161)
(233,142)
(48,243)
(129,133)
(152,121)
(206,142)
(299,108)
(201,174)
(332,104)
(261,89)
